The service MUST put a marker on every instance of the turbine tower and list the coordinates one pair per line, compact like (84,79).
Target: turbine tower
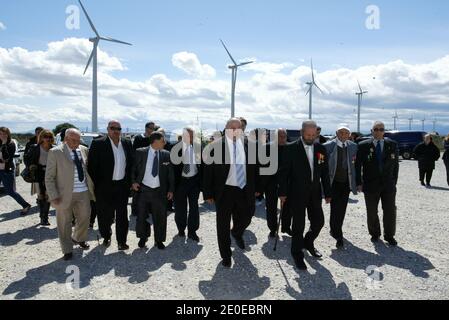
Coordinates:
(410,122)
(234,68)
(395,118)
(93,58)
(359,98)
(310,91)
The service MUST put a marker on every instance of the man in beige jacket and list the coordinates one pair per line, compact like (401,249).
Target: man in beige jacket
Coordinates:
(70,190)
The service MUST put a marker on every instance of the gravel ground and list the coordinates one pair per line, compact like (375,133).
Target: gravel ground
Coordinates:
(31,265)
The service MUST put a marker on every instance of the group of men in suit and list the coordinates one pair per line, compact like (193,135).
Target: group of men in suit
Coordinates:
(231,177)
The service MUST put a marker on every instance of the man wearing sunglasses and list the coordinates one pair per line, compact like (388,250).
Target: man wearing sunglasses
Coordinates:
(110,163)
(377,169)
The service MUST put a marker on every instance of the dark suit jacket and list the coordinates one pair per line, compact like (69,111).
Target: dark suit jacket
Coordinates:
(101,164)
(141,142)
(178,168)
(367,168)
(166,173)
(267,180)
(216,175)
(295,175)
(8,151)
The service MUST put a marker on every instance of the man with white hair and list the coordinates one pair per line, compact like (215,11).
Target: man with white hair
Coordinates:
(303,179)
(377,168)
(70,191)
(342,155)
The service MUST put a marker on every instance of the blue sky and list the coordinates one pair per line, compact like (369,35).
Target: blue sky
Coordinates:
(332,32)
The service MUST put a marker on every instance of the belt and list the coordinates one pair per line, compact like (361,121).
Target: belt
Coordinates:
(144,187)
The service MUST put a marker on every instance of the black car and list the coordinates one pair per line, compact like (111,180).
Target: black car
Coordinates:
(406,140)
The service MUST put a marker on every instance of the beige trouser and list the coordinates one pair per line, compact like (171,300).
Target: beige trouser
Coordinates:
(80,208)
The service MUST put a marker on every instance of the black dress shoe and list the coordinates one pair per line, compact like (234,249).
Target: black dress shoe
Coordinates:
(314,252)
(272,234)
(45,223)
(340,244)
(227,263)
(375,239)
(68,256)
(107,242)
(160,245)
(428,185)
(182,234)
(391,241)
(423,184)
(25,211)
(83,245)
(299,263)
(288,231)
(239,241)
(193,236)
(142,243)
(123,247)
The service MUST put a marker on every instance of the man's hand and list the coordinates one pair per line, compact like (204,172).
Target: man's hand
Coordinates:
(135,187)
(328,200)
(360,188)
(283,200)
(210,201)
(170,196)
(56,202)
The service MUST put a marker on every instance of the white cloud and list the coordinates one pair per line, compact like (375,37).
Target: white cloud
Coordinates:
(2,26)
(271,94)
(190,64)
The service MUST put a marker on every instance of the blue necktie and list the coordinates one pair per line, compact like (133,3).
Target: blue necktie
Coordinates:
(240,172)
(79,166)
(155,169)
(379,156)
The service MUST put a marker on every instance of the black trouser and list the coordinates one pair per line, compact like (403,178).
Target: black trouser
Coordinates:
(188,190)
(236,205)
(146,198)
(389,209)
(42,200)
(339,204)
(312,201)
(425,173)
(93,212)
(446,162)
(271,202)
(114,203)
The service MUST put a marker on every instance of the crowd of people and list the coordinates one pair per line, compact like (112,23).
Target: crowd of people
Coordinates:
(84,184)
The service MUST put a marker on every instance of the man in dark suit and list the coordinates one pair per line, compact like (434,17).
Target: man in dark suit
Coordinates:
(230,182)
(188,175)
(153,179)
(377,169)
(109,165)
(143,140)
(303,178)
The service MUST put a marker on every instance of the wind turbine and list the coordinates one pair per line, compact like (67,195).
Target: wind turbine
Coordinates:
(93,57)
(359,98)
(423,124)
(234,68)
(310,91)
(410,121)
(395,117)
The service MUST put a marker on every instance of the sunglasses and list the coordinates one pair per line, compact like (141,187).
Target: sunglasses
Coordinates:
(379,130)
(115,128)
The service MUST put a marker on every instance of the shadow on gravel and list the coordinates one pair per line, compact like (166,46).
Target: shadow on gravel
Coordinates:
(439,188)
(16,214)
(240,282)
(96,264)
(318,286)
(34,234)
(356,258)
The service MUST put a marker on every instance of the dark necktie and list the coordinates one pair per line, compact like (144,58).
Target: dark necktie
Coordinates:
(187,165)
(79,166)
(155,169)
(379,156)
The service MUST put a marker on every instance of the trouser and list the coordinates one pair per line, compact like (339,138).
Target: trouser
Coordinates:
(93,212)
(187,191)
(7,178)
(339,204)
(388,199)
(271,202)
(80,207)
(425,174)
(234,205)
(148,197)
(446,162)
(313,203)
(114,204)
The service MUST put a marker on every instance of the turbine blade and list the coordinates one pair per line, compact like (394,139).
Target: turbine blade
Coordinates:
(360,87)
(311,68)
(235,63)
(88,19)
(115,40)
(318,88)
(308,91)
(245,63)
(91,56)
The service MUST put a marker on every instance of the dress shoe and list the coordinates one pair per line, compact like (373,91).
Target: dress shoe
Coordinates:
(83,245)
(288,231)
(68,256)
(160,245)
(314,252)
(227,263)
(423,184)
(182,234)
(299,263)
(428,185)
(142,243)
(239,241)
(45,223)
(375,239)
(391,241)
(272,234)
(107,242)
(91,225)
(193,236)
(25,211)
(123,247)
(340,244)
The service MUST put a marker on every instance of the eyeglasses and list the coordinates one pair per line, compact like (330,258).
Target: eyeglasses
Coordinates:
(379,130)
(48,138)
(115,128)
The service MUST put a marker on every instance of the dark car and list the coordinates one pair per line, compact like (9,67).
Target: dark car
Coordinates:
(406,140)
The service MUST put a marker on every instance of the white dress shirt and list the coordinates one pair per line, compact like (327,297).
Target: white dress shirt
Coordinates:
(78,186)
(240,159)
(189,154)
(119,161)
(310,156)
(148,179)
